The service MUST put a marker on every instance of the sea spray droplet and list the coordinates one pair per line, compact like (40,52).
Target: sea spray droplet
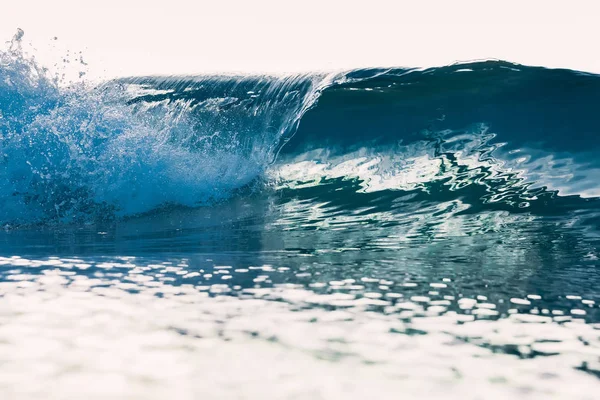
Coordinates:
(82,153)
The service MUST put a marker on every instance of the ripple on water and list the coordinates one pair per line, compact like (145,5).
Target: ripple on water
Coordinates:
(119,328)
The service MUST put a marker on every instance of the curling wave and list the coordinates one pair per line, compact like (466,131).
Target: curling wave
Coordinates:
(493,134)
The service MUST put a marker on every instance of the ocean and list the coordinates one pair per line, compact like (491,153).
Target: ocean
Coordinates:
(393,233)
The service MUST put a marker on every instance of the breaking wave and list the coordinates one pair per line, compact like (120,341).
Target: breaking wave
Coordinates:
(493,134)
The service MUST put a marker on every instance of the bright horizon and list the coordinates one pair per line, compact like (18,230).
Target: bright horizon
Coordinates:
(120,38)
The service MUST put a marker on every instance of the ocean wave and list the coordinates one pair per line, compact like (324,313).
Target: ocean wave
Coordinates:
(493,134)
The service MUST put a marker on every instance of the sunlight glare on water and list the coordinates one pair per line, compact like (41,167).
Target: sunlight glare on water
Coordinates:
(121,328)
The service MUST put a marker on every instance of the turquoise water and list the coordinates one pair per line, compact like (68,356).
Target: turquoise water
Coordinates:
(388,232)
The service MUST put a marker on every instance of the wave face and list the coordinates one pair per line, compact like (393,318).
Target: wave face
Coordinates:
(492,135)
(482,137)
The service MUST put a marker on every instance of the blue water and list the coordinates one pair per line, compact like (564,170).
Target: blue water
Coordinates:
(426,233)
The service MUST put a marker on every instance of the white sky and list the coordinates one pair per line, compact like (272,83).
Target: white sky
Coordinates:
(132,37)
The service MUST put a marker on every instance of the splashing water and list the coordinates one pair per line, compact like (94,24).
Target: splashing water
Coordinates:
(84,153)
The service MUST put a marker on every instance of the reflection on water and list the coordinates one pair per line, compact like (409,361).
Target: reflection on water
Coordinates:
(286,297)
(129,328)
